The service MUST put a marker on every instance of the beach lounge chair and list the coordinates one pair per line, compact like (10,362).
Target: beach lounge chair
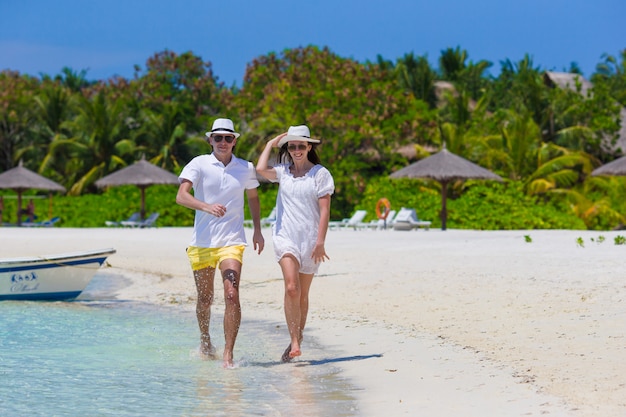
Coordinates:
(355,222)
(265,221)
(270,219)
(407,220)
(148,222)
(133,218)
(381,224)
(45,223)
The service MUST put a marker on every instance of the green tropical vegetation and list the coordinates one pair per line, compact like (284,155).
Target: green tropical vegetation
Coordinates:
(373,118)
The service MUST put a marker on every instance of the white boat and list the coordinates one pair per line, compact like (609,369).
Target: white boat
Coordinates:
(53,277)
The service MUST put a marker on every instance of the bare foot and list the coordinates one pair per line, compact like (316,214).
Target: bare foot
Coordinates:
(207,350)
(228,359)
(294,352)
(290,353)
(286,357)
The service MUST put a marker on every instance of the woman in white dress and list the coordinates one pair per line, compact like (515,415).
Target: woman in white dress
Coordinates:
(303,212)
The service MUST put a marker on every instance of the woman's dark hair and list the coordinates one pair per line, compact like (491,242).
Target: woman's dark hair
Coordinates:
(285,158)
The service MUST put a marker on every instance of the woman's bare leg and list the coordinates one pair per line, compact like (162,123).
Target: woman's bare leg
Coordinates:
(296,304)
(305,285)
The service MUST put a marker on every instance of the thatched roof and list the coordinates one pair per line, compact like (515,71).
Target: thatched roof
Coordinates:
(571,81)
(566,80)
(21,178)
(141,173)
(442,87)
(616,167)
(621,140)
(445,166)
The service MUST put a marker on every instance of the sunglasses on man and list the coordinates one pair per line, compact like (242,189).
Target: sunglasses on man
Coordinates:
(227,138)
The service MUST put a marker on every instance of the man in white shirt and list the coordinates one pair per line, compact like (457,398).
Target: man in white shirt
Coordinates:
(219,182)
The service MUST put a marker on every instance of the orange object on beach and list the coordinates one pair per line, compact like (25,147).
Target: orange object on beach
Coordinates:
(383,206)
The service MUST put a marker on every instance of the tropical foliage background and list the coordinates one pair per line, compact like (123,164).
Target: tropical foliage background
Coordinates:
(373,118)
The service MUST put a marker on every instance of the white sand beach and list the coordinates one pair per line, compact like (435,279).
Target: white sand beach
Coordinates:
(451,323)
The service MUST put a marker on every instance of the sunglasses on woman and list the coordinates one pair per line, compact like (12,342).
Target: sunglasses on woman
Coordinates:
(227,138)
(298,147)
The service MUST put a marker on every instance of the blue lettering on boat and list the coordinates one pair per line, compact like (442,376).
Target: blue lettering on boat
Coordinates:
(31,276)
(24,287)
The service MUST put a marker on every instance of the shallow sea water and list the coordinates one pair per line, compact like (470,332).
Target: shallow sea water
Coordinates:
(98,357)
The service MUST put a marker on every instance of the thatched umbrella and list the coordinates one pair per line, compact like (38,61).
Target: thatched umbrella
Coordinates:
(21,179)
(142,174)
(444,167)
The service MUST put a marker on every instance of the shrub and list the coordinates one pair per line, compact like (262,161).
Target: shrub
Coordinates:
(482,205)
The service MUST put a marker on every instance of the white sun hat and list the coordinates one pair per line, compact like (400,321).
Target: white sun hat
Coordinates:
(299,133)
(222,126)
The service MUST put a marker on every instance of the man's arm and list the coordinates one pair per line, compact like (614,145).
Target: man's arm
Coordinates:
(255,211)
(186,199)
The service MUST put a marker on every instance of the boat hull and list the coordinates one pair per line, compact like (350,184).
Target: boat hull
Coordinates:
(54,277)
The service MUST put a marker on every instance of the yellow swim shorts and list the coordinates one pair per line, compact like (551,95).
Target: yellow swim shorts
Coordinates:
(201,258)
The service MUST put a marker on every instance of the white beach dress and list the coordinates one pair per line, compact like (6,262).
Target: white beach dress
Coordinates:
(298,213)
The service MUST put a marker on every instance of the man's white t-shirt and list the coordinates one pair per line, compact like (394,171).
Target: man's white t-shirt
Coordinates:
(215,183)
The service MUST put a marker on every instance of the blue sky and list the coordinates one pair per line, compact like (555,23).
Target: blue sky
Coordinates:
(110,37)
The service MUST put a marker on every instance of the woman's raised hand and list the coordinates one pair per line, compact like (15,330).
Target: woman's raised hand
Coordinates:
(277,139)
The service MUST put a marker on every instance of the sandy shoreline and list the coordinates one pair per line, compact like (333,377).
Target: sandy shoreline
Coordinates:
(465,322)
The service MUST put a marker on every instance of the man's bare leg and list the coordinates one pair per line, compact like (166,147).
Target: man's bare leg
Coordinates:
(204,286)
(231,272)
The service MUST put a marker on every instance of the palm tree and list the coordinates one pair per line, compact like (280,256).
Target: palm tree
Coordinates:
(417,76)
(452,63)
(17,116)
(384,64)
(466,76)
(473,80)
(96,144)
(520,87)
(73,80)
(53,109)
(520,138)
(607,211)
(164,133)
(613,72)
(558,168)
